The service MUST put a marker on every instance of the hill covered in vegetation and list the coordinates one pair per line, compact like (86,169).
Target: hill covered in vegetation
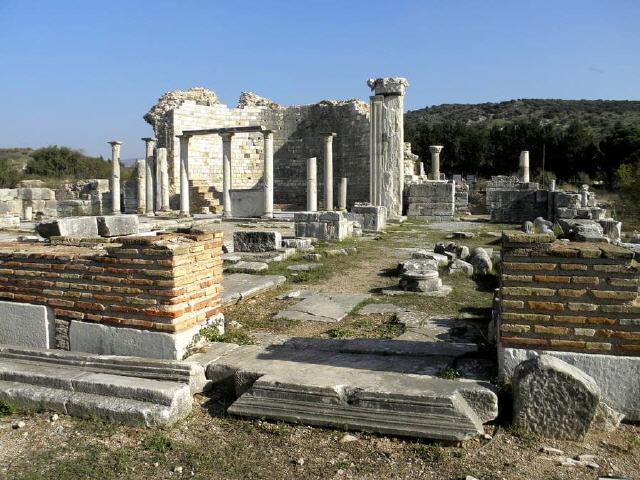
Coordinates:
(51,163)
(599,115)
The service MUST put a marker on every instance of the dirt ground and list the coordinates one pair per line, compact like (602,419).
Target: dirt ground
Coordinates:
(209,444)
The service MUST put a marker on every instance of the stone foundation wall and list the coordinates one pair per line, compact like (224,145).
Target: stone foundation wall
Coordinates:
(432,200)
(576,297)
(14,200)
(169,283)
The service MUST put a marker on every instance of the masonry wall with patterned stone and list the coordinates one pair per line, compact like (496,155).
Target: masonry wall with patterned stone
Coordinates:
(169,283)
(297,136)
(577,297)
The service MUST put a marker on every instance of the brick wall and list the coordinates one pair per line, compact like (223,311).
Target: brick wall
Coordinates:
(167,283)
(579,297)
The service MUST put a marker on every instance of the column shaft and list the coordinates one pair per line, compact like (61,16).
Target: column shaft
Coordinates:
(328,172)
(184,176)
(149,177)
(268,175)
(141,175)
(226,174)
(524,166)
(435,161)
(342,200)
(312,185)
(115,177)
(164,179)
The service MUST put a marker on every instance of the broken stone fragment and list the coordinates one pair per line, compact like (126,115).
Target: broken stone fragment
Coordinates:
(553,399)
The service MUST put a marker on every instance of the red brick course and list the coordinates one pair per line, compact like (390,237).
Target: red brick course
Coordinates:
(167,283)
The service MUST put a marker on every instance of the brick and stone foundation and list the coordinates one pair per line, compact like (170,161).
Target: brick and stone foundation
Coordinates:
(577,301)
(144,296)
(432,200)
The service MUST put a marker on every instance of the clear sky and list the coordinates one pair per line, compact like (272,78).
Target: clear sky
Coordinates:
(80,73)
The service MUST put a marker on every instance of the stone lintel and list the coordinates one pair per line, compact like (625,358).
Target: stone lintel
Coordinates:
(225,130)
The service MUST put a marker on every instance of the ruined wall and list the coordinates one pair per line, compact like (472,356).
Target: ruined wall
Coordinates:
(297,136)
(167,283)
(576,297)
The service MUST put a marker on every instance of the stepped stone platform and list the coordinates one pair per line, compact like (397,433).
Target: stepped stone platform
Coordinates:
(385,386)
(130,390)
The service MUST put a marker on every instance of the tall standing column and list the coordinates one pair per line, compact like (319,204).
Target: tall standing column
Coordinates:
(268,174)
(375,147)
(435,161)
(388,138)
(328,170)
(184,176)
(312,185)
(342,199)
(141,175)
(148,143)
(163,180)
(226,174)
(115,176)
(524,166)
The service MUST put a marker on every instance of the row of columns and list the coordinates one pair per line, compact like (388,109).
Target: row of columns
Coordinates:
(226,174)
(153,170)
(312,187)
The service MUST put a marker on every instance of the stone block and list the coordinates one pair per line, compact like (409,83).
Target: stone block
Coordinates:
(553,398)
(26,325)
(82,227)
(110,340)
(263,241)
(9,221)
(371,218)
(117,225)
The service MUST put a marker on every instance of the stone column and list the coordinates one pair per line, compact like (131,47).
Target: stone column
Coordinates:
(149,176)
(226,174)
(268,174)
(524,166)
(375,147)
(342,199)
(328,170)
(184,176)
(552,187)
(387,139)
(141,175)
(435,161)
(312,185)
(157,191)
(115,176)
(163,180)
(584,196)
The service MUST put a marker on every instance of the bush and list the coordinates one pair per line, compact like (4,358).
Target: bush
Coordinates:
(54,161)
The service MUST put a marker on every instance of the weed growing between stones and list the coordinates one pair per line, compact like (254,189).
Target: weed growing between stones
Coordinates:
(449,374)
(6,408)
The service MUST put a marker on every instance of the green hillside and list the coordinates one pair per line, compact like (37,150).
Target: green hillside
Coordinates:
(599,115)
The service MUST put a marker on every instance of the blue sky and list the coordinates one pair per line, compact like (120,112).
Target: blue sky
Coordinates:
(80,73)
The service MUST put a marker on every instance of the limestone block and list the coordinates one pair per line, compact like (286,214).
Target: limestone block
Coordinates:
(109,340)
(9,221)
(553,398)
(117,225)
(69,227)
(263,241)
(27,325)
(371,218)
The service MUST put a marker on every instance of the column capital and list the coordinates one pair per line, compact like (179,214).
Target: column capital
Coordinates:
(388,85)
(148,139)
(226,137)
(329,134)
(435,148)
(114,142)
